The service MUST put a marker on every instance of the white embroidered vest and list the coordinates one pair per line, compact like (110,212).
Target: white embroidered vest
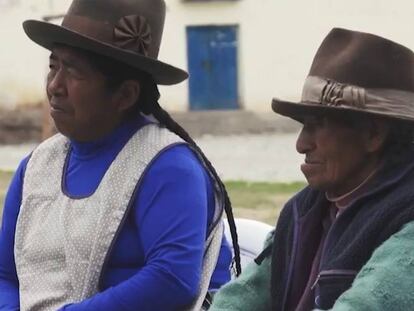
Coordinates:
(62,243)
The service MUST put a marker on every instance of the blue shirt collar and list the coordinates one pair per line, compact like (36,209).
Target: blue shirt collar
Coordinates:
(118,136)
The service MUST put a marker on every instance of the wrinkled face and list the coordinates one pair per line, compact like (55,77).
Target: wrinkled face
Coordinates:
(337,157)
(81,106)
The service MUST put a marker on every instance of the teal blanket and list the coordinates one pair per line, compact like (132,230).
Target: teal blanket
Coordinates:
(385,283)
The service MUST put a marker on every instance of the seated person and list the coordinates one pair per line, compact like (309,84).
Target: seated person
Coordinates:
(356,215)
(115,212)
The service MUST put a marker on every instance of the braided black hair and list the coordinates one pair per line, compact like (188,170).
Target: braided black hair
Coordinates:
(165,119)
(147,104)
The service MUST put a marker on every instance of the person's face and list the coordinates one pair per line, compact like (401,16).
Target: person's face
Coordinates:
(81,105)
(337,157)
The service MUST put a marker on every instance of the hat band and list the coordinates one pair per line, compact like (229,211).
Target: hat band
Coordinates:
(327,92)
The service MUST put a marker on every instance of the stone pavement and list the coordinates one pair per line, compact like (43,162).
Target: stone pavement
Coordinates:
(254,157)
(249,157)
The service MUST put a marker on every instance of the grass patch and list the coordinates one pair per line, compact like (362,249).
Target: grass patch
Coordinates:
(5,178)
(254,200)
(260,200)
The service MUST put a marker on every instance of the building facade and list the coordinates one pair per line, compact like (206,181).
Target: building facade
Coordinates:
(239,53)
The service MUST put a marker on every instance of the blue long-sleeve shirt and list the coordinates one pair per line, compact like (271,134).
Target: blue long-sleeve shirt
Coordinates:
(159,250)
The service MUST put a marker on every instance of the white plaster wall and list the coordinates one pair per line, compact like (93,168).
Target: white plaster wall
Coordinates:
(277,41)
(23,65)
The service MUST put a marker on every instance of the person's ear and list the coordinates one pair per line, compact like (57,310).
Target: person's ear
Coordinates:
(377,135)
(127,94)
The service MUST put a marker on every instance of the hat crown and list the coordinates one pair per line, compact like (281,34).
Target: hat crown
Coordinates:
(127,31)
(355,72)
(364,60)
(111,12)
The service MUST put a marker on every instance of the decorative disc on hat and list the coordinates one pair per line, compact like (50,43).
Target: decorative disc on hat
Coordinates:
(133,33)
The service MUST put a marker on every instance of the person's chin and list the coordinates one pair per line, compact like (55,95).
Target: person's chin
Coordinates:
(314,180)
(62,128)
(315,185)
(60,116)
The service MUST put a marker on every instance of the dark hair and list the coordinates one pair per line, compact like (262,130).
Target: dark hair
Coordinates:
(399,142)
(117,72)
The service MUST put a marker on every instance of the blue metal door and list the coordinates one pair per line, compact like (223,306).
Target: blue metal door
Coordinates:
(212,63)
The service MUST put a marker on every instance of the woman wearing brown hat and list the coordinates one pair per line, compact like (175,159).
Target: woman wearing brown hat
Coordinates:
(121,211)
(357,111)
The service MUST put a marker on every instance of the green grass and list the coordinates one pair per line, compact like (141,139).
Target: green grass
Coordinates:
(5,178)
(255,200)
(260,200)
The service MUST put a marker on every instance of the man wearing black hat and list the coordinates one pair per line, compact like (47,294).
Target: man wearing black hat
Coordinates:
(357,111)
(121,210)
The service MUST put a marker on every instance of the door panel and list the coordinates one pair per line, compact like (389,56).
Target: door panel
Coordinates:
(212,62)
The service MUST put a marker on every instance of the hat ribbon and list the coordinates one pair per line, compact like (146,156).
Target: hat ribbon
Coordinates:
(327,92)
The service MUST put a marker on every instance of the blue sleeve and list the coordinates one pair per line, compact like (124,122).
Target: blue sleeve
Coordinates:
(171,215)
(9,286)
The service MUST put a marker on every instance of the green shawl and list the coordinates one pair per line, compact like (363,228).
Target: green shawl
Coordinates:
(385,283)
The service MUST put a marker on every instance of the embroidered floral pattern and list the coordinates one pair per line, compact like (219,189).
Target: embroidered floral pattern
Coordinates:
(133,33)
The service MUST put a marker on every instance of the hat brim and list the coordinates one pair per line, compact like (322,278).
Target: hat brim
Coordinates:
(297,111)
(47,35)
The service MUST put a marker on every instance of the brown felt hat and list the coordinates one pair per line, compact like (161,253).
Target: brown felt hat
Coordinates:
(356,72)
(128,31)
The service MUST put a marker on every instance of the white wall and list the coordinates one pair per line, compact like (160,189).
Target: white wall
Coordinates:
(277,41)
(23,65)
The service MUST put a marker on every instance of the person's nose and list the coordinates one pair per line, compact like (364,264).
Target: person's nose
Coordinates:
(304,142)
(56,84)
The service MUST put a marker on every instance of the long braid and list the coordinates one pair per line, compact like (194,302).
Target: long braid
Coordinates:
(148,104)
(165,119)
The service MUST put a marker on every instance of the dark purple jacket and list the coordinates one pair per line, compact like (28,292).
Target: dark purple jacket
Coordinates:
(356,233)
